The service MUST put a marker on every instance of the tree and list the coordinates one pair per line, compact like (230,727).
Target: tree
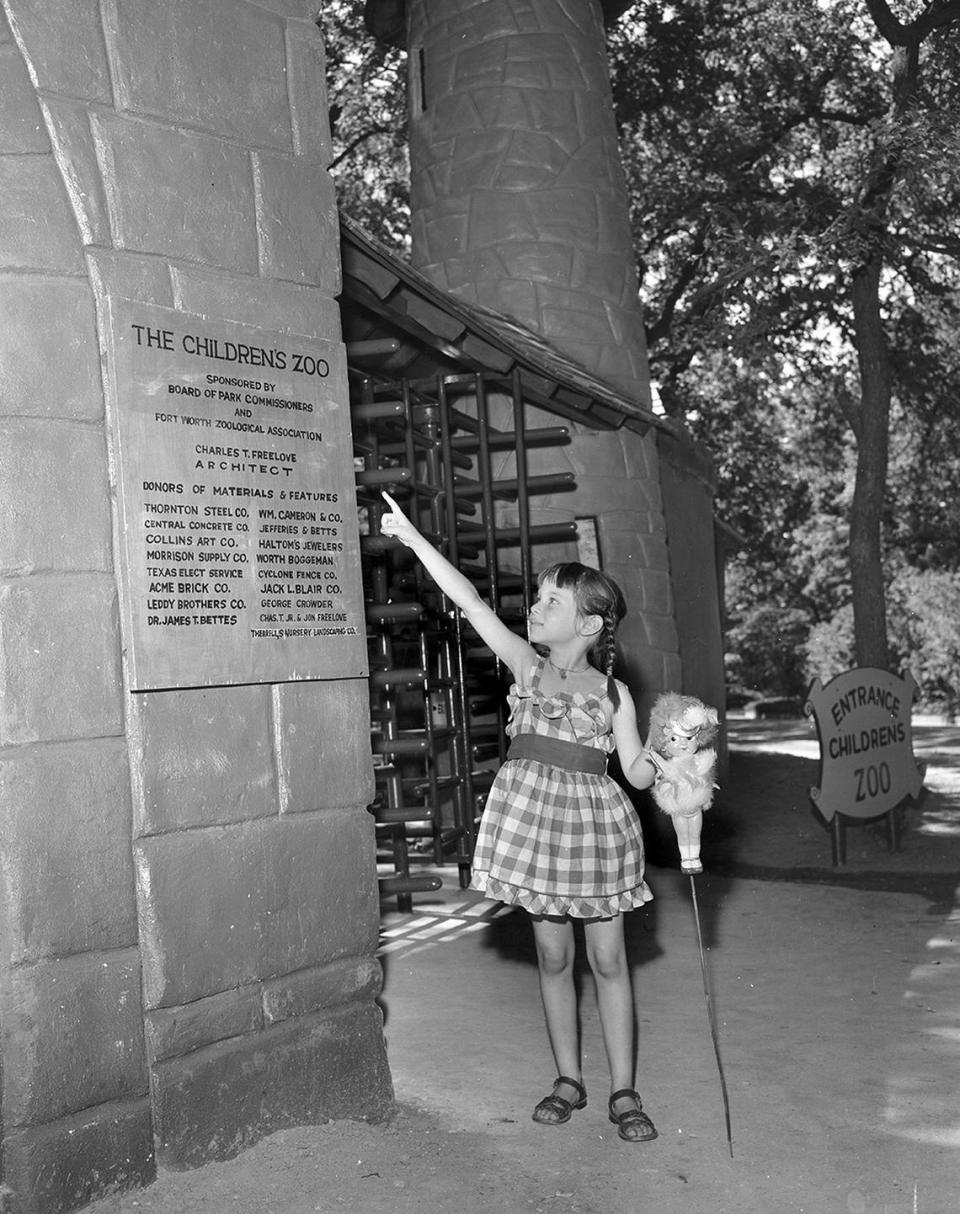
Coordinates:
(796,187)
(366,94)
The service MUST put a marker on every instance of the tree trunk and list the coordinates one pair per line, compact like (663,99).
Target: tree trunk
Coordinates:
(866,548)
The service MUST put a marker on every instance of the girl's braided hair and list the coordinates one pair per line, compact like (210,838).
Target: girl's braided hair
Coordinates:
(595,594)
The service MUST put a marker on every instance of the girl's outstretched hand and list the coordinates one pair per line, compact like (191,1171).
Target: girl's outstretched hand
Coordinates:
(396,522)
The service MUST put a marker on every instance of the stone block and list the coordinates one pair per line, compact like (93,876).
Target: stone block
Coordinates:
(204,757)
(495,219)
(536,261)
(72,138)
(640,459)
(575,325)
(643,519)
(662,631)
(21,122)
(532,109)
(65,1165)
(59,659)
(200,897)
(306,82)
(517,298)
(596,158)
(225,906)
(291,9)
(51,364)
(63,40)
(217,1101)
(43,528)
(608,274)
(566,214)
(37,226)
(325,760)
(445,231)
(596,454)
(285,307)
(322,987)
(172,1031)
(130,276)
(179,61)
(596,495)
(297,221)
(66,871)
(533,162)
(317,891)
(178,193)
(633,548)
(72,1032)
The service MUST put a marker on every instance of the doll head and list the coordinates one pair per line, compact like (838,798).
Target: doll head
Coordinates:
(681,725)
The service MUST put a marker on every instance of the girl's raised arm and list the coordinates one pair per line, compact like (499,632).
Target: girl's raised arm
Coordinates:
(509,648)
(635,761)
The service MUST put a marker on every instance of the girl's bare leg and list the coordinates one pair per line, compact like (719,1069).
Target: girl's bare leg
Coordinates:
(607,955)
(556,948)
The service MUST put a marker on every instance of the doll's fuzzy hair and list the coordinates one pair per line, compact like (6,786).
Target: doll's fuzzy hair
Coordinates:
(669,707)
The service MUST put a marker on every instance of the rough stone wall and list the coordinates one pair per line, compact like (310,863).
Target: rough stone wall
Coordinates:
(518,196)
(188,907)
(519,203)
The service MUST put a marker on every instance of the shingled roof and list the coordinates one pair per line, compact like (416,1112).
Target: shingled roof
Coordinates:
(414,330)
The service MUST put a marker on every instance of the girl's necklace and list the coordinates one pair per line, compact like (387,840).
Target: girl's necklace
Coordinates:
(563,671)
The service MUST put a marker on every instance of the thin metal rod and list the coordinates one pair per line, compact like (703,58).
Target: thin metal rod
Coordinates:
(711,1017)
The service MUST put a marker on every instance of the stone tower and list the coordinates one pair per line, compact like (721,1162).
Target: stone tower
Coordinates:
(518,196)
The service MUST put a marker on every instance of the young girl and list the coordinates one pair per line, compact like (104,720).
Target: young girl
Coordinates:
(558,835)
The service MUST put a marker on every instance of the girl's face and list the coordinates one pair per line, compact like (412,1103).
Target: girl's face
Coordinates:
(555,616)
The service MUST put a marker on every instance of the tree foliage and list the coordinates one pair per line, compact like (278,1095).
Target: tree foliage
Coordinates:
(795,171)
(366,94)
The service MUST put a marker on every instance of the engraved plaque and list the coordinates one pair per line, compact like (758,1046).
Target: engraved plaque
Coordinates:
(239,543)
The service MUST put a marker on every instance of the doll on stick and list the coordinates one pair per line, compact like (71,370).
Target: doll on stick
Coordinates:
(680,745)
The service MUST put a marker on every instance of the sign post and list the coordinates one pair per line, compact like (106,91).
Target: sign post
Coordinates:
(867,768)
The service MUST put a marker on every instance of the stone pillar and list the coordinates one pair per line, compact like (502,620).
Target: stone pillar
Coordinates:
(188,898)
(518,196)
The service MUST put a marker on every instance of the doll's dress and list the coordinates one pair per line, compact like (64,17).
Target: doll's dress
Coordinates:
(685,783)
(552,840)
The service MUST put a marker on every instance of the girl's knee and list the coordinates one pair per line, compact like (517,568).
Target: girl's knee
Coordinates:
(554,961)
(608,962)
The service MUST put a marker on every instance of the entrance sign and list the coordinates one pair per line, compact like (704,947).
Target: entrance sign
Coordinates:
(239,542)
(867,766)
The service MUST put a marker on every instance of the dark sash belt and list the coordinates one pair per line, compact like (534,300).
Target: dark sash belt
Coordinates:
(555,752)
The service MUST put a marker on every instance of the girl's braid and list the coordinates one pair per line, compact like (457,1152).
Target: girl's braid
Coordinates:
(605,651)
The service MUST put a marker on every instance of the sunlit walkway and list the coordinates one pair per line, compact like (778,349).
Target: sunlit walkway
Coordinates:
(838,1002)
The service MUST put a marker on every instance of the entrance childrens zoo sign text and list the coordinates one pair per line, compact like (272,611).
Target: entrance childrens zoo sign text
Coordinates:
(238,523)
(866,747)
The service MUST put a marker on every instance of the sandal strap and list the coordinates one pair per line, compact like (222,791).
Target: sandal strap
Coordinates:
(574,1083)
(632,1118)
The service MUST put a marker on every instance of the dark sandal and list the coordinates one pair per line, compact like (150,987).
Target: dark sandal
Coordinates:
(633,1125)
(557,1105)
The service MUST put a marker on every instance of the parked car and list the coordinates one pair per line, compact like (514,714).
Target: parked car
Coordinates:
(740,697)
(782,706)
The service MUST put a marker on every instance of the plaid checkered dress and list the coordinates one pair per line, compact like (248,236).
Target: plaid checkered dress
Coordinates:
(553,841)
